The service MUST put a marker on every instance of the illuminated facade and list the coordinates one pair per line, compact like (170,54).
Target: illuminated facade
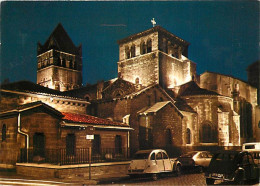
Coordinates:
(155,56)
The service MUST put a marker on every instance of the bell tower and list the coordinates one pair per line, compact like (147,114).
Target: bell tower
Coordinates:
(59,62)
(155,56)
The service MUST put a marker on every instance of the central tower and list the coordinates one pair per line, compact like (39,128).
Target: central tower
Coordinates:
(155,56)
(59,62)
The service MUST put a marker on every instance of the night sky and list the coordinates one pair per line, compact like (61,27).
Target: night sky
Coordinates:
(223,36)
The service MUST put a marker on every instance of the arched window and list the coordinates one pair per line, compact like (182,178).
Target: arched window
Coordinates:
(63,62)
(137,81)
(149,45)
(127,52)
(133,51)
(142,48)
(118,144)
(188,136)
(4,133)
(168,137)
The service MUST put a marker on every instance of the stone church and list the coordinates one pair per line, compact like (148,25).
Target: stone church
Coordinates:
(157,101)
(160,95)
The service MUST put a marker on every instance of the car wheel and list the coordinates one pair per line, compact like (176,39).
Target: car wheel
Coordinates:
(239,178)
(178,170)
(155,177)
(239,181)
(200,169)
(210,181)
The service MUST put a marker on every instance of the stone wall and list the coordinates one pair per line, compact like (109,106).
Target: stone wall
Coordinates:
(59,78)
(70,171)
(144,67)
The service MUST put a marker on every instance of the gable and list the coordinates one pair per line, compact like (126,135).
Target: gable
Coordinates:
(118,88)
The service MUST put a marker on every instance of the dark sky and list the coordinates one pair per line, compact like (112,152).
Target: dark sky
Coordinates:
(223,35)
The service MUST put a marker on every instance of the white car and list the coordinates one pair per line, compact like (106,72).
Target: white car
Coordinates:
(199,159)
(151,162)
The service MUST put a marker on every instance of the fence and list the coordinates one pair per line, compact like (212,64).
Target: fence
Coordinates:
(68,157)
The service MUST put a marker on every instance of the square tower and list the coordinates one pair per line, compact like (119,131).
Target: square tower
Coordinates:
(155,56)
(59,62)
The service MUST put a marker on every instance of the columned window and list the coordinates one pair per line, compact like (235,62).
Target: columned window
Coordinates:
(127,52)
(133,51)
(149,45)
(142,48)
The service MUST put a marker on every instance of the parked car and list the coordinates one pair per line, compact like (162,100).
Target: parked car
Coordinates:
(152,163)
(194,159)
(254,149)
(235,166)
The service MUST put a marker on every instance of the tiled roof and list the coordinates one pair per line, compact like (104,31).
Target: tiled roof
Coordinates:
(191,88)
(59,40)
(87,119)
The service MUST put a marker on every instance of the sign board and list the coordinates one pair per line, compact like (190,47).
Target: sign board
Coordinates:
(90,137)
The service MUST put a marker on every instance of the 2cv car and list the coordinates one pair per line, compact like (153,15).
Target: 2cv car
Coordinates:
(152,163)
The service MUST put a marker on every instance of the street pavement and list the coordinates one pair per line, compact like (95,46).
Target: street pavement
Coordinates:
(188,178)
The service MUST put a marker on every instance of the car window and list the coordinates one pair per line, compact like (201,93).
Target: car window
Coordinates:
(245,160)
(159,156)
(200,155)
(189,154)
(209,155)
(250,159)
(204,155)
(138,156)
(153,156)
(164,155)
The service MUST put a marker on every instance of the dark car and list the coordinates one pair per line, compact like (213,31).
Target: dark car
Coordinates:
(235,166)
(194,159)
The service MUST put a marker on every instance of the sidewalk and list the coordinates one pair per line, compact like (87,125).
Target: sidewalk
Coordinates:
(107,179)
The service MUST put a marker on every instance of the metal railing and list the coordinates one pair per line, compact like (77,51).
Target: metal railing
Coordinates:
(70,157)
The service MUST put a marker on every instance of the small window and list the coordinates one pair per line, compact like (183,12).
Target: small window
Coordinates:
(149,46)
(4,133)
(158,156)
(188,136)
(153,156)
(133,51)
(164,155)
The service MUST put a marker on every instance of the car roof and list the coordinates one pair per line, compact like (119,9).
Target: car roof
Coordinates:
(149,151)
(229,152)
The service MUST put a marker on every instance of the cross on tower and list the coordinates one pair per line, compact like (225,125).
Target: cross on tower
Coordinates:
(153,22)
